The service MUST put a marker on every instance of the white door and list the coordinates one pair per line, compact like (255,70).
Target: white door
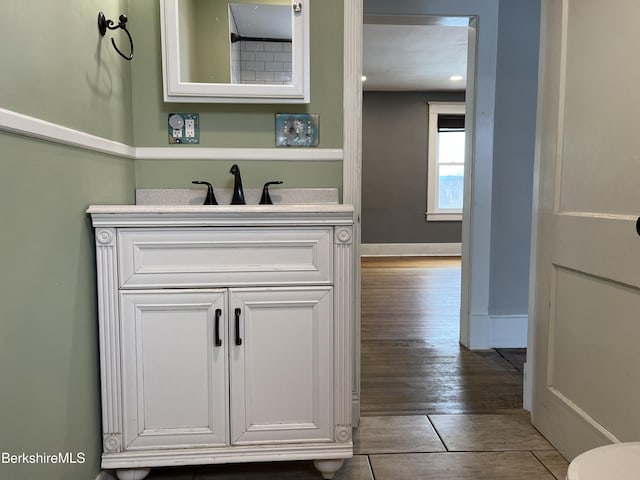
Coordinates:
(281,342)
(174,364)
(587,281)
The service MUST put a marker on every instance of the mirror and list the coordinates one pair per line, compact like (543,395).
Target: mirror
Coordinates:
(244,51)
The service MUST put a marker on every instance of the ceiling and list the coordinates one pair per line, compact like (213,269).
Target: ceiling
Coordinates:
(400,55)
(266,21)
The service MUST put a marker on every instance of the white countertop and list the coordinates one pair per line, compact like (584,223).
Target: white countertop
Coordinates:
(218,209)
(220,215)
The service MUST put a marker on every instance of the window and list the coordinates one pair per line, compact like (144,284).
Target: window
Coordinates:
(446,161)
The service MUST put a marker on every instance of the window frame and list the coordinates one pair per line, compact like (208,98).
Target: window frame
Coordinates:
(434,213)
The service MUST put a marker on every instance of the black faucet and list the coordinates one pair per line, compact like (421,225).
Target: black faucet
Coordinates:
(266,198)
(238,193)
(211,198)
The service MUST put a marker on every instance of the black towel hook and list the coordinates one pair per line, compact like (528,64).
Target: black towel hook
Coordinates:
(103,24)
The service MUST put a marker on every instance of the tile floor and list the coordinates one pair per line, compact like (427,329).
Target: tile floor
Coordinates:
(458,447)
(416,447)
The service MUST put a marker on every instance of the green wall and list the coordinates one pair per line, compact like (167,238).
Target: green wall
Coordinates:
(180,173)
(213,63)
(56,67)
(48,320)
(188,40)
(63,72)
(225,125)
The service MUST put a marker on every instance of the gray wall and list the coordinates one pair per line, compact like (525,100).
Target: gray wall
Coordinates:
(394,169)
(513,148)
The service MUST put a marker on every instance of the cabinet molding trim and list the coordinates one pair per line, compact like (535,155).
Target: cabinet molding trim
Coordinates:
(109,334)
(218,455)
(343,316)
(25,125)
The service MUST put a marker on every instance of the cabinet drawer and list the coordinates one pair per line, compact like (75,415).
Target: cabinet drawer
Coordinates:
(150,257)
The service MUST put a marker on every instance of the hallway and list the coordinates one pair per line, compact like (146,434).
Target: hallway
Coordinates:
(460,411)
(411,359)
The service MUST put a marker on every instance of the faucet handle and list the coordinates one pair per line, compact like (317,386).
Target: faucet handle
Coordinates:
(266,198)
(211,198)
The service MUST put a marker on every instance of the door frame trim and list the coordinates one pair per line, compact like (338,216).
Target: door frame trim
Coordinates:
(476,251)
(352,164)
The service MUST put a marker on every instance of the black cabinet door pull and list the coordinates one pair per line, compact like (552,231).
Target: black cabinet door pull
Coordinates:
(217,327)
(238,338)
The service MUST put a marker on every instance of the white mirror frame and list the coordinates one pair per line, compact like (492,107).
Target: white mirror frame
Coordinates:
(298,91)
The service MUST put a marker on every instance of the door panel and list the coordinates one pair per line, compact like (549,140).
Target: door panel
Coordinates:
(587,285)
(601,101)
(175,376)
(282,373)
(594,365)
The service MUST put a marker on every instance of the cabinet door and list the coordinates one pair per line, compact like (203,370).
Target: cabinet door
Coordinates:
(175,380)
(281,342)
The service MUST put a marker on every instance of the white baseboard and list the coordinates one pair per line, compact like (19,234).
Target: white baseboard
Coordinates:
(410,249)
(527,386)
(498,331)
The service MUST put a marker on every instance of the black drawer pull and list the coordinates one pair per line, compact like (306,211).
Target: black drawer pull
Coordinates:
(217,326)
(238,338)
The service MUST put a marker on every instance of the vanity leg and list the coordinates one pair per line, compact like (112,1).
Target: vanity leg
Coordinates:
(133,473)
(328,468)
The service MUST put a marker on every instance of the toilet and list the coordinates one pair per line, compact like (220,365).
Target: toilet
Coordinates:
(620,461)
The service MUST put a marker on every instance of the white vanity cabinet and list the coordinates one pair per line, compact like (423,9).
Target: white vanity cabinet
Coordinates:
(225,335)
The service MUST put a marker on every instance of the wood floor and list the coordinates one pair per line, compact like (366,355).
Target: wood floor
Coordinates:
(411,360)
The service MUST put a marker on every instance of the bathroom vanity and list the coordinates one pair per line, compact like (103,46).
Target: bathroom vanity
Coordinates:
(225,334)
